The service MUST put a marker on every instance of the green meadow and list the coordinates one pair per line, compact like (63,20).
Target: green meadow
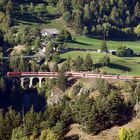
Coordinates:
(90,43)
(118,65)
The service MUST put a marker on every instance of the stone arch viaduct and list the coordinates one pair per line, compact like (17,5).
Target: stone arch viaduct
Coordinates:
(32,81)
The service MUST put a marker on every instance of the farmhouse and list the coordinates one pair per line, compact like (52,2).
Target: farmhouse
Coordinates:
(113,52)
(129,52)
(49,32)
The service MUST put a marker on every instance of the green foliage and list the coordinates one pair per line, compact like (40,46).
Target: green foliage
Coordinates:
(9,6)
(129,86)
(34,65)
(136,135)
(32,122)
(85,31)
(52,115)
(17,134)
(123,134)
(49,50)
(66,114)
(137,91)
(64,35)
(78,64)
(43,135)
(105,60)
(81,107)
(37,43)
(137,30)
(56,57)
(87,13)
(55,67)
(115,107)
(21,64)
(58,129)
(88,63)
(44,67)
(64,68)
(121,51)
(63,5)
(102,86)
(51,135)
(104,47)
(62,82)
(76,88)
(101,113)
(2,85)
(108,22)
(120,64)
(25,35)
(94,115)
(48,135)
(128,134)
(8,122)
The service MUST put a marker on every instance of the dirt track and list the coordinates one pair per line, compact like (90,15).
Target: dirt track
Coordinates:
(110,134)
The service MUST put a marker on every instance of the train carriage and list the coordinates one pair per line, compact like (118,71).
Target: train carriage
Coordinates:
(109,76)
(13,73)
(88,75)
(74,74)
(126,77)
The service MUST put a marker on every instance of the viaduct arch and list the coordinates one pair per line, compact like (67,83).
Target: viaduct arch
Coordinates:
(32,81)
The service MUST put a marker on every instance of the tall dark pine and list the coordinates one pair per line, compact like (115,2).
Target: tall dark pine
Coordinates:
(88,63)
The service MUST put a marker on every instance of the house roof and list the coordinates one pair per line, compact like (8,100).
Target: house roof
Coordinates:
(49,31)
(129,49)
(112,50)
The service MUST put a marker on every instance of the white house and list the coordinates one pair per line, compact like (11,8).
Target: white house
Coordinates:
(49,32)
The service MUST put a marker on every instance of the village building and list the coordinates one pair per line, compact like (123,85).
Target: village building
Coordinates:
(129,52)
(113,52)
(50,32)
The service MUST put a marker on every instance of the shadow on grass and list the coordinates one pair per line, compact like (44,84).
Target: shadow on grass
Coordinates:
(32,1)
(28,17)
(62,60)
(98,65)
(120,67)
(52,16)
(74,49)
(137,62)
(80,43)
(111,38)
(114,66)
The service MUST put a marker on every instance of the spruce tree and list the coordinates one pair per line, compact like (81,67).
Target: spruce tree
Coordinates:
(88,63)
(79,63)
(104,47)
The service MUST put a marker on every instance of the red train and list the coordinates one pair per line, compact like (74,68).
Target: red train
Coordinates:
(74,74)
(32,73)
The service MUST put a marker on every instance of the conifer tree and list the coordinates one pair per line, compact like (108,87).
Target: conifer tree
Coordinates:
(88,63)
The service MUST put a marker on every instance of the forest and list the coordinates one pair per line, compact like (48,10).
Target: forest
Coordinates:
(107,18)
(29,113)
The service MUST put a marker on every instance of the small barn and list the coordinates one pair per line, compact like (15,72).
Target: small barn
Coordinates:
(113,52)
(129,52)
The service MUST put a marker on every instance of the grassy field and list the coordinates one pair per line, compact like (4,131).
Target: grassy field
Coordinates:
(122,66)
(47,19)
(90,43)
